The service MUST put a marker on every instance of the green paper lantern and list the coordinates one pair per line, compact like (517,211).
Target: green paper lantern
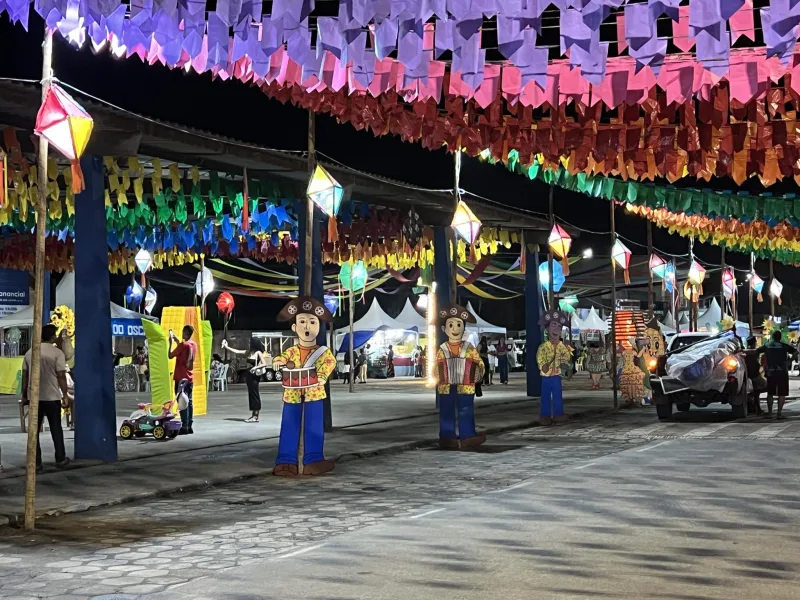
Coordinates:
(356,272)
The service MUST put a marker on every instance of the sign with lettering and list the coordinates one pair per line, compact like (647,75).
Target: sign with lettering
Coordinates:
(14,292)
(127,328)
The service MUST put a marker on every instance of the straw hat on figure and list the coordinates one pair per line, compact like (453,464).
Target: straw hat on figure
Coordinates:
(551,356)
(459,367)
(306,368)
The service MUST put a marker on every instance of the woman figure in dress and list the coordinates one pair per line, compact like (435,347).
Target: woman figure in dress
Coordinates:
(390,363)
(255,363)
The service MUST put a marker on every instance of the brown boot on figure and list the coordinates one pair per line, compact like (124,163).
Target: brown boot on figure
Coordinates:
(285,470)
(473,442)
(448,444)
(319,467)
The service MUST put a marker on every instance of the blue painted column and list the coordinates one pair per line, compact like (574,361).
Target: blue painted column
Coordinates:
(441,274)
(533,310)
(95,408)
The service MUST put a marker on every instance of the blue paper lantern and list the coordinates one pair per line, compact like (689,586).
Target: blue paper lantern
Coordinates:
(331,302)
(558,276)
(134,295)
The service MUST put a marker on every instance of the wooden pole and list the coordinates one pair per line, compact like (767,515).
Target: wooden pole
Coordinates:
(650,294)
(453,237)
(352,314)
(550,293)
(722,286)
(692,308)
(34,373)
(202,288)
(312,163)
(771,295)
(750,294)
(614,310)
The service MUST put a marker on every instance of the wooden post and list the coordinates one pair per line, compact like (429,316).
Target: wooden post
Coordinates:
(614,310)
(722,286)
(771,295)
(312,163)
(750,294)
(650,295)
(352,314)
(453,237)
(34,374)
(202,288)
(692,308)
(550,293)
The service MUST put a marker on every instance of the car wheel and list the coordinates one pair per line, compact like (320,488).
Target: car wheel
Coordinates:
(664,411)
(159,432)
(126,431)
(683,406)
(269,375)
(172,434)
(139,433)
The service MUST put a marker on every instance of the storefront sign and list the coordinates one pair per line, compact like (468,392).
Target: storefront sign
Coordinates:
(127,328)
(14,292)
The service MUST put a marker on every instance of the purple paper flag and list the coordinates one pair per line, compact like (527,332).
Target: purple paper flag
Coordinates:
(727,8)
(194,26)
(251,10)
(429,8)
(228,11)
(509,35)
(784,16)
(115,22)
(469,59)
(329,37)
(241,31)
(364,66)
(652,53)
(168,36)
(574,31)
(298,42)
(386,38)
(640,26)
(714,54)
(594,13)
(593,63)
(419,72)
(443,38)
(665,7)
(705,15)
(531,61)
(778,45)
(292,11)
(409,46)
(271,37)
(464,9)
(218,42)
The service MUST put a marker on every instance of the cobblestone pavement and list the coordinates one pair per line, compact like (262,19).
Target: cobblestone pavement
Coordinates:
(132,550)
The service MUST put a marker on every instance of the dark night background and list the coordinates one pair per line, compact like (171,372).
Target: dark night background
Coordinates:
(240,111)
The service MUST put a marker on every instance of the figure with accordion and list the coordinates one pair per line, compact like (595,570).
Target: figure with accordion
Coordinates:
(459,367)
(305,369)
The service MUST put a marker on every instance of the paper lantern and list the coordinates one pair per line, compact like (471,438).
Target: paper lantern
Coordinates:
(568,304)
(67,127)
(757,286)
(622,256)
(150,299)
(697,273)
(658,266)
(728,283)
(134,295)
(776,289)
(204,284)
(357,273)
(324,191)
(560,242)
(466,224)
(225,304)
(331,302)
(143,260)
(669,277)
(558,276)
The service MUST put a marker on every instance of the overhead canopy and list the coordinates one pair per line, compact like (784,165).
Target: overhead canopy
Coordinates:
(373,320)
(482,325)
(711,317)
(593,322)
(411,318)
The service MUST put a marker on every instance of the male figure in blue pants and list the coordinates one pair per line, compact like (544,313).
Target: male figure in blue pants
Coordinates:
(306,368)
(459,367)
(551,356)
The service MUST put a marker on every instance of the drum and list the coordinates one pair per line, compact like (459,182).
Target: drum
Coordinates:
(299,378)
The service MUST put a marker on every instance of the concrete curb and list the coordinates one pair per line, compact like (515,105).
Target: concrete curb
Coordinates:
(16,519)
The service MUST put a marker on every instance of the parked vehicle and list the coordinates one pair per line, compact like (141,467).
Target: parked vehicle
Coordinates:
(681,340)
(711,370)
(162,423)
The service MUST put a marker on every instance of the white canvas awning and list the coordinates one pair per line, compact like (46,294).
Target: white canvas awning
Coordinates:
(593,322)
(482,325)
(410,317)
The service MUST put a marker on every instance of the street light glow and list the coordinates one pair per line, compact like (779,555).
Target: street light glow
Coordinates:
(588,253)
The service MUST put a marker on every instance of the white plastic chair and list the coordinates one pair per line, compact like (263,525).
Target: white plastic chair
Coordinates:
(220,382)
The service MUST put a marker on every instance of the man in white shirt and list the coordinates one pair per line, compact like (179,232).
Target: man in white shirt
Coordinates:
(52,390)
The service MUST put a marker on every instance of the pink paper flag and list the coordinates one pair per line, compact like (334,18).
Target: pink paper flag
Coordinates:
(680,30)
(487,91)
(621,41)
(742,23)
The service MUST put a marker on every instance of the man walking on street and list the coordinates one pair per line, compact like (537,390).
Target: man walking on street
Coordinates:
(184,354)
(52,392)
(778,355)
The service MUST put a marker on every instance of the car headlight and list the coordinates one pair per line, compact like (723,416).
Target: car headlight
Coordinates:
(652,365)
(731,364)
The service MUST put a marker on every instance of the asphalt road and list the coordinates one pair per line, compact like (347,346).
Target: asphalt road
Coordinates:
(610,508)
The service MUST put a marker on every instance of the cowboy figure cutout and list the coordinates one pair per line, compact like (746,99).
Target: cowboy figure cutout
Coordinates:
(458,367)
(552,355)
(306,367)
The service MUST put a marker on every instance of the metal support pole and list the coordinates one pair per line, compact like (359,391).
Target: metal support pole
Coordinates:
(650,295)
(692,307)
(34,373)
(750,294)
(352,314)
(771,295)
(614,310)
(550,293)
(452,236)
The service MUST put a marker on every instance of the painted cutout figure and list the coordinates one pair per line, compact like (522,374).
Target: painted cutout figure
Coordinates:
(306,368)
(631,378)
(552,356)
(459,367)
(653,346)
(596,363)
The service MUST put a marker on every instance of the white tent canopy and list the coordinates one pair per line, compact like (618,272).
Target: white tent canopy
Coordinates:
(668,325)
(373,320)
(576,323)
(593,322)
(410,318)
(482,325)
(710,317)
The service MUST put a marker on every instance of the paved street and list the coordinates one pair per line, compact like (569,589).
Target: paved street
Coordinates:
(618,506)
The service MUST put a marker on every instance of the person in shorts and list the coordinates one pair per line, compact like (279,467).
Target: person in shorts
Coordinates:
(779,357)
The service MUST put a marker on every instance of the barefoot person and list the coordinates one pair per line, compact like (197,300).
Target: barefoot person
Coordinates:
(255,368)
(307,368)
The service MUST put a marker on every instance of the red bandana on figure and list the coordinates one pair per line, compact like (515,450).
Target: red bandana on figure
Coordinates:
(306,368)
(459,367)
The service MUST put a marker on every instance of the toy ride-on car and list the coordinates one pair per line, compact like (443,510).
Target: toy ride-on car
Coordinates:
(162,424)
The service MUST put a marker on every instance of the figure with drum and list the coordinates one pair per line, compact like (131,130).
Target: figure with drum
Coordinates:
(459,367)
(305,369)
(552,356)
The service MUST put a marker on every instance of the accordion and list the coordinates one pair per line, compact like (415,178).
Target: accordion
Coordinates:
(458,371)
(297,379)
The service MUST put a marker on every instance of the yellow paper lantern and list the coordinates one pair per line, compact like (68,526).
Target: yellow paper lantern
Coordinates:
(324,191)
(560,242)
(697,273)
(465,223)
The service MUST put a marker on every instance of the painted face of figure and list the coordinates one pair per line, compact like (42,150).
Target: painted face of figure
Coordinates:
(307,328)
(554,331)
(454,329)
(654,342)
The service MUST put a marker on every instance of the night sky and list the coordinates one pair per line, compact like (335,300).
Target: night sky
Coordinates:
(241,111)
